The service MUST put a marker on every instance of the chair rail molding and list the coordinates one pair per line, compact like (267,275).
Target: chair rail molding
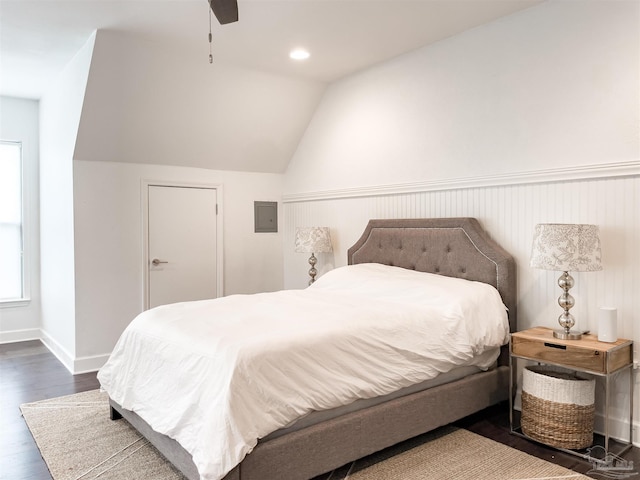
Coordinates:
(583,172)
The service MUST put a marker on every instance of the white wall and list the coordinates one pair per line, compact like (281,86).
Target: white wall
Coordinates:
(59,118)
(552,86)
(19,122)
(109,248)
(532,118)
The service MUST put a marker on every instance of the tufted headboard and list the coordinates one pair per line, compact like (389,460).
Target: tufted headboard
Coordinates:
(456,247)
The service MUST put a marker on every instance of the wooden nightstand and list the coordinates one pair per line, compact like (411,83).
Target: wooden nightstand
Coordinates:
(586,355)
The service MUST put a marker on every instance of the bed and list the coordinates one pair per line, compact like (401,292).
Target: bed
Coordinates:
(450,247)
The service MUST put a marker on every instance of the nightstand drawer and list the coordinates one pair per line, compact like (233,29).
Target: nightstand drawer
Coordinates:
(587,354)
(565,355)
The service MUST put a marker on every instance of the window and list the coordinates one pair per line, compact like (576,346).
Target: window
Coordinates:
(12,284)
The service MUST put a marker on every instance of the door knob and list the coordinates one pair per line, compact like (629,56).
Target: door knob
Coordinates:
(155,262)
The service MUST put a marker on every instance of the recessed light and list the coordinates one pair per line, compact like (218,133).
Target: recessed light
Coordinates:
(299,54)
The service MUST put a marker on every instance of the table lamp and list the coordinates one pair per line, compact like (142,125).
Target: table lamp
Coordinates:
(566,247)
(313,240)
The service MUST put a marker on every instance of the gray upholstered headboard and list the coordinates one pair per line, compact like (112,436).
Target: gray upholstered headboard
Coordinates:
(456,247)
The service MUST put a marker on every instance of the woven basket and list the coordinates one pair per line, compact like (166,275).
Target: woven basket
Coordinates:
(558,408)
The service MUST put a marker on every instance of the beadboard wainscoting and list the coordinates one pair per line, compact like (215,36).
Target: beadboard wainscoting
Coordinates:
(509,213)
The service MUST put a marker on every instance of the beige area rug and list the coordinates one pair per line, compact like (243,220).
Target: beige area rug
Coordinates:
(78,441)
(451,453)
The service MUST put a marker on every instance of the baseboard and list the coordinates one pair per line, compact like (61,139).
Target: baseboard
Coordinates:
(75,365)
(618,428)
(58,350)
(25,335)
(89,364)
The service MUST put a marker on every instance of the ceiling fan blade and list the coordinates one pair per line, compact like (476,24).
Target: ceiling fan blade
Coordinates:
(226,11)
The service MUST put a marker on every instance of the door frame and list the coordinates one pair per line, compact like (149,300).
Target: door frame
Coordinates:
(144,199)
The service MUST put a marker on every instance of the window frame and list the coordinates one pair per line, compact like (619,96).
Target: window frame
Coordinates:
(25,299)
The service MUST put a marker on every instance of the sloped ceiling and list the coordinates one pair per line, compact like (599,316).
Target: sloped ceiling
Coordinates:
(152,97)
(145,104)
(39,37)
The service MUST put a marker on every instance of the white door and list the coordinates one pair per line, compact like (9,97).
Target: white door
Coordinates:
(181,246)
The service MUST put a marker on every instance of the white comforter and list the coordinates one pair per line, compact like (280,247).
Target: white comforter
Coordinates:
(217,375)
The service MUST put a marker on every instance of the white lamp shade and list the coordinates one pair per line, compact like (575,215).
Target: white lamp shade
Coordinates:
(566,247)
(313,240)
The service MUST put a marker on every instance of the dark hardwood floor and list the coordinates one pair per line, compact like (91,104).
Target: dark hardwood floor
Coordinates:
(494,423)
(29,372)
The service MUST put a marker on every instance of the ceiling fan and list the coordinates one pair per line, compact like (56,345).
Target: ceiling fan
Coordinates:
(226,11)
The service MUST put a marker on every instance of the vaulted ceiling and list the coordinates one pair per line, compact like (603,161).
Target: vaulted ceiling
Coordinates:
(38,37)
(152,96)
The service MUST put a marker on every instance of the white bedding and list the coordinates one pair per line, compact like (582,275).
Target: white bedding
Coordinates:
(217,375)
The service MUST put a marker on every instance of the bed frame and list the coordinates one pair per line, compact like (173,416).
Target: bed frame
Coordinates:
(456,247)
